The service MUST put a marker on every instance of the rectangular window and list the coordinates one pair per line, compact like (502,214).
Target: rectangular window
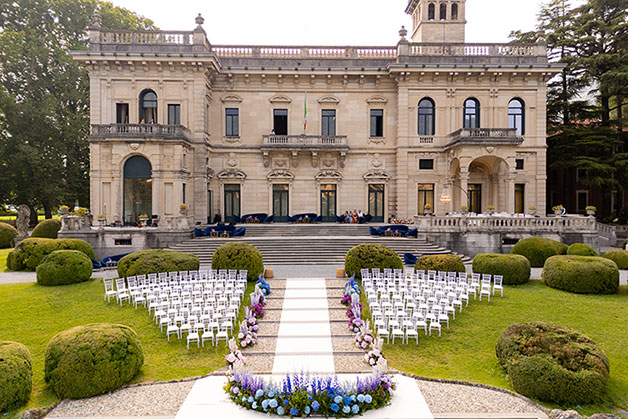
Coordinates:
(520,198)
(123,242)
(581,175)
(519,164)
(280,121)
(377,122)
(122,113)
(426,197)
(184,193)
(232,122)
(583,200)
(174,114)
(329,123)
(232,203)
(475,198)
(426,164)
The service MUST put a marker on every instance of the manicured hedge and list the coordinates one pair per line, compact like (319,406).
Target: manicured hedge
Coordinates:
(30,252)
(155,261)
(64,267)
(581,249)
(553,364)
(92,359)
(445,263)
(620,257)
(368,256)
(514,268)
(581,274)
(47,229)
(8,233)
(16,375)
(239,256)
(538,249)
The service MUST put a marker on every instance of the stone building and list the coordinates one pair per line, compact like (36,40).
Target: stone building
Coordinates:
(284,130)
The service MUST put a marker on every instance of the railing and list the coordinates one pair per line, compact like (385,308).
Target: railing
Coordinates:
(506,224)
(147,37)
(244,51)
(495,50)
(141,131)
(305,141)
(501,135)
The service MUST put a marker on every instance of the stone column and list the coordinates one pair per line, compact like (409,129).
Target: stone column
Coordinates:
(510,191)
(463,192)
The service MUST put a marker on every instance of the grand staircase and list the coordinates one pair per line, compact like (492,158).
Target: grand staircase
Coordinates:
(303,244)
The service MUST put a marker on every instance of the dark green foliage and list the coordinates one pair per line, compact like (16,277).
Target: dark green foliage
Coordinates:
(16,375)
(620,257)
(538,249)
(553,364)
(92,359)
(239,256)
(444,263)
(581,274)
(8,233)
(47,229)
(64,267)
(155,261)
(514,268)
(368,256)
(29,253)
(581,249)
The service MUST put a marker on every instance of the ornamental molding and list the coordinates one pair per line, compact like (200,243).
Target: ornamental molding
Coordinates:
(280,174)
(329,99)
(380,175)
(280,99)
(377,140)
(232,99)
(377,99)
(232,174)
(210,173)
(328,174)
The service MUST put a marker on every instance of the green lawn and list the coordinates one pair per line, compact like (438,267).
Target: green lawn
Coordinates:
(32,314)
(3,259)
(467,350)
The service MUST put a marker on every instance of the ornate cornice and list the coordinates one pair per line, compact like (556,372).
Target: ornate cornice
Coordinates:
(280,174)
(380,175)
(232,174)
(328,174)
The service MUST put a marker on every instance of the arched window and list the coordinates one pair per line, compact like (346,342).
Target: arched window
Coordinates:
(427,117)
(138,191)
(516,116)
(471,113)
(443,12)
(454,11)
(431,11)
(148,107)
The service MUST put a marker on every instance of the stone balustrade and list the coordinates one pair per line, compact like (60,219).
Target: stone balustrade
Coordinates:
(146,37)
(507,224)
(474,50)
(305,141)
(485,135)
(142,131)
(243,51)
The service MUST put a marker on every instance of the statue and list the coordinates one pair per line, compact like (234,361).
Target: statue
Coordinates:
(22,222)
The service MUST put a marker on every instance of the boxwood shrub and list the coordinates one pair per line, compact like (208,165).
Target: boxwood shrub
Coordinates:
(538,249)
(30,252)
(553,364)
(581,274)
(368,256)
(445,263)
(64,267)
(8,233)
(92,359)
(620,257)
(581,249)
(155,261)
(239,256)
(16,375)
(514,268)
(47,229)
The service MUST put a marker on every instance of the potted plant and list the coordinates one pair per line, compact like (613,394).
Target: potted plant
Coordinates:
(532,210)
(64,210)
(591,210)
(490,210)
(558,209)
(143,218)
(102,219)
(427,209)
(183,209)
(464,210)
(80,212)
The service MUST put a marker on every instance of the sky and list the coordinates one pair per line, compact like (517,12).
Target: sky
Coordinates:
(325,22)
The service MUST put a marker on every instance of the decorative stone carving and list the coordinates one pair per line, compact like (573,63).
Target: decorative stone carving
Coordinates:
(295,159)
(343,159)
(232,174)
(280,163)
(328,174)
(231,99)
(376,162)
(232,162)
(328,162)
(379,175)
(376,140)
(314,159)
(280,99)
(210,173)
(22,222)
(490,149)
(377,100)
(134,146)
(280,174)
(329,99)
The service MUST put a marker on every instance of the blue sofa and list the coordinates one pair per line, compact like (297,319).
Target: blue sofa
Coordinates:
(111,259)
(403,229)
(315,218)
(410,259)
(229,229)
(261,217)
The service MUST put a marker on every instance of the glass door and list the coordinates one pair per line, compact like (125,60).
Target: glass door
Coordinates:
(475,198)
(232,202)
(281,197)
(328,203)
(376,203)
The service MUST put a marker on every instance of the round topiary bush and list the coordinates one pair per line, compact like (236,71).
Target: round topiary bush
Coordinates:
(581,249)
(553,364)
(64,267)
(30,252)
(581,274)
(368,256)
(620,257)
(92,359)
(8,233)
(538,249)
(445,263)
(16,375)
(155,261)
(239,256)
(514,268)
(47,229)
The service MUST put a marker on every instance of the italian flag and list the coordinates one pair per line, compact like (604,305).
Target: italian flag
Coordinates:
(305,113)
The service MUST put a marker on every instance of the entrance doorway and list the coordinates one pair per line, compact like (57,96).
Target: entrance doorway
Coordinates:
(281,202)
(328,203)
(232,203)
(475,198)
(376,203)
(138,189)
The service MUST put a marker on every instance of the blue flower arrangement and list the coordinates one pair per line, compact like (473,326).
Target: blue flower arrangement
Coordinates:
(263,285)
(304,395)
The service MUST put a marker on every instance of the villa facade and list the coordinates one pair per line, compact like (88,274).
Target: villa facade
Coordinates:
(283,130)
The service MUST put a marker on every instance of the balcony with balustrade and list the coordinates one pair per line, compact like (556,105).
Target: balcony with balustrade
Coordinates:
(305,142)
(143,132)
(484,136)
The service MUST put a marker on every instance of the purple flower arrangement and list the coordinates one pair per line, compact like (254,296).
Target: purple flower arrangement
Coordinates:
(257,305)
(304,395)
(247,334)
(364,338)
(351,287)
